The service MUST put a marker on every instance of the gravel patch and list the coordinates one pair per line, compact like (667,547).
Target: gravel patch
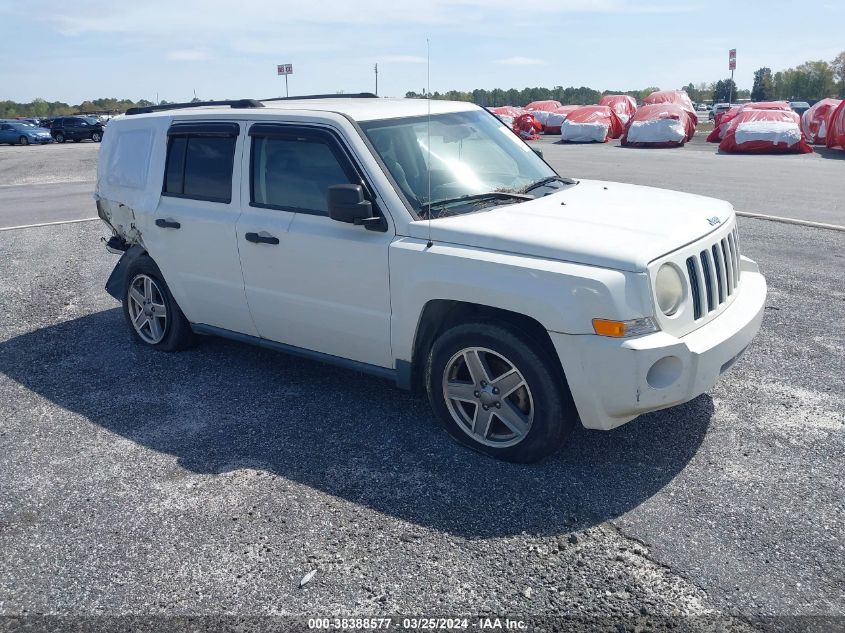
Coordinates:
(210,482)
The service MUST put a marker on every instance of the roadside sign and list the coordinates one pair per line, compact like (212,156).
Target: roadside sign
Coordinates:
(284,69)
(732,59)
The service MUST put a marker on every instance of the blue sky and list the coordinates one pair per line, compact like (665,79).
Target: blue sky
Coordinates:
(70,51)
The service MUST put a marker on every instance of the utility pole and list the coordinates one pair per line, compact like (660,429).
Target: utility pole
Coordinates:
(376,69)
(732,68)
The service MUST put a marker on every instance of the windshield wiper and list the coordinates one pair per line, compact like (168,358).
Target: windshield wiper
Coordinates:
(490,195)
(550,179)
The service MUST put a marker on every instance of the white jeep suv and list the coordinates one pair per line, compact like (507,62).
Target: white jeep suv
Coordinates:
(425,243)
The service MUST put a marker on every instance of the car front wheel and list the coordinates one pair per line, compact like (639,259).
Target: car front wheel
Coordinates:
(23,140)
(96,137)
(495,390)
(150,310)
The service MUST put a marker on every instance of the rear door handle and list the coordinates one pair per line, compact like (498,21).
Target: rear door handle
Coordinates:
(258,238)
(167,224)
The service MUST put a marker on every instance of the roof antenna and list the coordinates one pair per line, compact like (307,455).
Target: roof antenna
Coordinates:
(428,131)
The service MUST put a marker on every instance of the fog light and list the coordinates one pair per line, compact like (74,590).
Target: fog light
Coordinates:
(664,372)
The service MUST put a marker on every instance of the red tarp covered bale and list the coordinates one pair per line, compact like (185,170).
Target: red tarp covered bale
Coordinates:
(659,125)
(678,97)
(720,124)
(765,132)
(526,126)
(557,117)
(623,105)
(543,106)
(541,111)
(814,120)
(724,118)
(835,125)
(591,124)
(507,114)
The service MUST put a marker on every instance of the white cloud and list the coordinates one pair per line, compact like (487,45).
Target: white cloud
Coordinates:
(282,17)
(521,61)
(188,55)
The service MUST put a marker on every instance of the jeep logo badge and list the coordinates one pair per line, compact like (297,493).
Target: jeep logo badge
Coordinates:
(714,221)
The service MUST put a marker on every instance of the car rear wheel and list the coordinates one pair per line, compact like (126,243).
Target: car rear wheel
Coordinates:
(23,140)
(60,138)
(150,310)
(496,391)
(96,137)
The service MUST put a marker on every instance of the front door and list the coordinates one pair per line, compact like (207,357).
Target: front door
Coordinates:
(311,282)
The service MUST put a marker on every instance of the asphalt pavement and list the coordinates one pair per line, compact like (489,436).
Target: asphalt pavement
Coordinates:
(24,205)
(811,187)
(802,186)
(210,482)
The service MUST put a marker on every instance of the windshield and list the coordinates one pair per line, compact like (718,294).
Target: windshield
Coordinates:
(472,153)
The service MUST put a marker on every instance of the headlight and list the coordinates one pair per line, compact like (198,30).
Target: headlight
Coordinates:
(669,288)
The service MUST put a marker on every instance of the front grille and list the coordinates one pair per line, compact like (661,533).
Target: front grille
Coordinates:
(714,274)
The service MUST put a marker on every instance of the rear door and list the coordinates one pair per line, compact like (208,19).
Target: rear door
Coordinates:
(191,236)
(6,135)
(311,282)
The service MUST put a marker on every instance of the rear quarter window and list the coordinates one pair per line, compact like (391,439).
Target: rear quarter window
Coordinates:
(130,160)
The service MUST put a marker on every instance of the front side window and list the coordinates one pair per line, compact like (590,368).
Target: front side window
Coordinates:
(200,167)
(470,153)
(294,172)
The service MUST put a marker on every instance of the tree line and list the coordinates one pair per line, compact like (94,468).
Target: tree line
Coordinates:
(810,81)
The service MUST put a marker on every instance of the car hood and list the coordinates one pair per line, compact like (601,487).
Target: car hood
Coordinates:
(605,224)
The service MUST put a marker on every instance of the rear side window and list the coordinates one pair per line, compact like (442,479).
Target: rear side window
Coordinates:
(293,170)
(199,161)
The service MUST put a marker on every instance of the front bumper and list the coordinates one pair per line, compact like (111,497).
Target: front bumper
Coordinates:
(615,380)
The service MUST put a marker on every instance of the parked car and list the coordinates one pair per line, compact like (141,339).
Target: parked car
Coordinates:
(425,243)
(22,133)
(799,106)
(76,128)
(717,109)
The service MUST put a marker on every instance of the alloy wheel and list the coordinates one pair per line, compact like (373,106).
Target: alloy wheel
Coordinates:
(147,309)
(488,397)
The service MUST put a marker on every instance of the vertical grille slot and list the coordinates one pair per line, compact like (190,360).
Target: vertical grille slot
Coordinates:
(720,272)
(709,277)
(733,240)
(695,287)
(729,266)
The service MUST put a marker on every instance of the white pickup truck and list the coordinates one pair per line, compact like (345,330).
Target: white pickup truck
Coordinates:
(425,243)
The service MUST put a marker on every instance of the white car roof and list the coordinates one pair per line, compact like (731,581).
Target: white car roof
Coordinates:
(358,109)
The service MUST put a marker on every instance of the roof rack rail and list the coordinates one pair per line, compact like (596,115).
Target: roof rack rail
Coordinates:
(353,95)
(235,103)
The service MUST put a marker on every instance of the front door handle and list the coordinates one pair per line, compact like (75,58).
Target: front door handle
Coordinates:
(258,238)
(167,224)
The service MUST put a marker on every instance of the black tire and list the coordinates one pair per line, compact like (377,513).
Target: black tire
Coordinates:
(60,138)
(177,331)
(96,137)
(554,413)
(23,140)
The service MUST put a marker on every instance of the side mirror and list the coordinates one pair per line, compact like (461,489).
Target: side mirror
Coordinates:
(346,204)
(537,151)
